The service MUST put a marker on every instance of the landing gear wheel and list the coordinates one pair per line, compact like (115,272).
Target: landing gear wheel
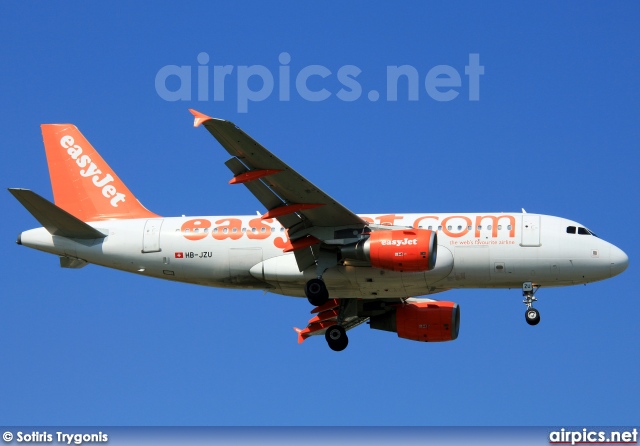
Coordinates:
(337,338)
(532,316)
(316,292)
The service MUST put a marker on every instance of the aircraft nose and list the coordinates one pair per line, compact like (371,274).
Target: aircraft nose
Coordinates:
(619,261)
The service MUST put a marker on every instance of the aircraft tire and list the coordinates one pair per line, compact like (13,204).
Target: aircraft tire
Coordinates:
(336,337)
(532,316)
(316,292)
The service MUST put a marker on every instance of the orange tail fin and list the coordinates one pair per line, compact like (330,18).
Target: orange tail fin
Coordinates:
(83,183)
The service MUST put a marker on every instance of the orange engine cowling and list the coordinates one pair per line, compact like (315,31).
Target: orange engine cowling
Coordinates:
(421,321)
(404,250)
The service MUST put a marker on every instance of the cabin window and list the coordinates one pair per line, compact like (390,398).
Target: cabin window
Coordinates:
(254,230)
(225,230)
(430,227)
(469,228)
(273,229)
(439,228)
(234,230)
(206,230)
(449,227)
(489,227)
(479,227)
(282,229)
(509,227)
(196,230)
(244,229)
(499,227)
(459,227)
(186,231)
(215,230)
(263,229)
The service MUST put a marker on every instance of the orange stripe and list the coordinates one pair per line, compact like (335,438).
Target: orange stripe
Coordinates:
(324,316)
(333,303)
(301,243)
(252,175)
(289,209)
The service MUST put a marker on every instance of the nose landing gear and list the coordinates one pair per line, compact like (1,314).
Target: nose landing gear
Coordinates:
(532,316)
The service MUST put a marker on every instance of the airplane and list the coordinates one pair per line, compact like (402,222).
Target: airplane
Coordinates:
(381,269)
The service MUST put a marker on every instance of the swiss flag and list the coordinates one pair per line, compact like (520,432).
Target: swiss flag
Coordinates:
(179,255)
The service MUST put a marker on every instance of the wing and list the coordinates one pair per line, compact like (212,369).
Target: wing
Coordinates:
(287,195)
(309,215)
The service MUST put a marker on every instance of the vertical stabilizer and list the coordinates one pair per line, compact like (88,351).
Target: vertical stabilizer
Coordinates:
(83,183)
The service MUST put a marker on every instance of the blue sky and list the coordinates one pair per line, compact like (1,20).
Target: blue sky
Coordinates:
(555,131)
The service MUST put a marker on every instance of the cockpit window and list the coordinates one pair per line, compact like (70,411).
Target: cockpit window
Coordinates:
(592,233)
(581,231)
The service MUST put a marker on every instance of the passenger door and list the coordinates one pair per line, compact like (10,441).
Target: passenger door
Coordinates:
(530,230)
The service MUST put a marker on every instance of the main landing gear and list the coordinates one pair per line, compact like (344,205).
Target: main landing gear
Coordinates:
(318,295)
(336,337)
(532,316)
(329,311)
(316,291)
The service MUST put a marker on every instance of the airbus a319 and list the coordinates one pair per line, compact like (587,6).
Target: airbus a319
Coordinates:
(380,269)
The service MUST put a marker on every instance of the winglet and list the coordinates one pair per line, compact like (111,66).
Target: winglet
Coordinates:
(199,117)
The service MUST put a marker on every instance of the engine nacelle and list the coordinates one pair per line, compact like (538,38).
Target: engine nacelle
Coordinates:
(403,250)
(421,321)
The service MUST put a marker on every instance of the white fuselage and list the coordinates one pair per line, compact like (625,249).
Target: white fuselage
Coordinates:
(474,251)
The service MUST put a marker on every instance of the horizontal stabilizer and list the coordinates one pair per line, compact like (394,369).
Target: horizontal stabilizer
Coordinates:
(55,220)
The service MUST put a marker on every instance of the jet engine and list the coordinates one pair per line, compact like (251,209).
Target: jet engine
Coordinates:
(403,250)
(421,321)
